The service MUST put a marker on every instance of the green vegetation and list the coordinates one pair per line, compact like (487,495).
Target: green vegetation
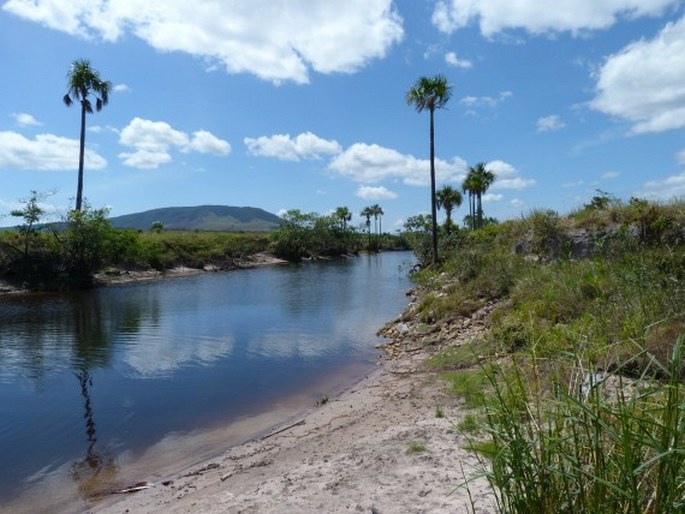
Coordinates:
(576,389)
(416,448)
(68,254)
(311,235)
(448,198)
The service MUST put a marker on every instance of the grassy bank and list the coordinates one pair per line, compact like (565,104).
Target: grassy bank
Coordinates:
(576,389)
(70,257)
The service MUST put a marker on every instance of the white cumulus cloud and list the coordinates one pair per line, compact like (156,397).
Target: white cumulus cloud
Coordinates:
(153,141)
(541,16)
(276,40)
(375,193)
(44,152)
(286,148)
(371,163)
(507,176)
(643,83)
(452,59)
(25,120)
(206,142)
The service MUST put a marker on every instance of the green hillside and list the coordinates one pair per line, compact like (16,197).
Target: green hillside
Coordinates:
(202,217)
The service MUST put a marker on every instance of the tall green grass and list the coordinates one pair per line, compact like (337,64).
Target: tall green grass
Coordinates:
(593,443)
(583,406)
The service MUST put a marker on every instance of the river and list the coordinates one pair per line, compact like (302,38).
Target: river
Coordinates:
(91,381)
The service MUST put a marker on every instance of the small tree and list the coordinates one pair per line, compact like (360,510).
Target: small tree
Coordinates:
(448,198)
(31,214)
(344,215)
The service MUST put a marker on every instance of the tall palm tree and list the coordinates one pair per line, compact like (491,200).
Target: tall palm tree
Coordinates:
(367,212)
(469,185)
(344,215)
(431,93)
(448,198)
(83,81)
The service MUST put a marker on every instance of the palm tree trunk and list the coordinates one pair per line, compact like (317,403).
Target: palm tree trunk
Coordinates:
(434,210)
(82,147)
(473,211)
(480,210)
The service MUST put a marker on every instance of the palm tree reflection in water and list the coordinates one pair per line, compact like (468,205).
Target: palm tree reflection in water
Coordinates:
(98,471)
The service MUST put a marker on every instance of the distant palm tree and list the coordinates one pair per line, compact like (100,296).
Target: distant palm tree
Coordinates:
(376,212)
(431,93)
(477,182)
(84,81)
(344,215)
(448,198)
(469,186)
(380,213)
(367,212)
(485,178)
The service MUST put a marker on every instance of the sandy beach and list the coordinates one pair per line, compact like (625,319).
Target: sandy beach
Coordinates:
(378,447)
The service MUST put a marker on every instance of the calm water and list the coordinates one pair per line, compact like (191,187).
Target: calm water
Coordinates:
(89,375)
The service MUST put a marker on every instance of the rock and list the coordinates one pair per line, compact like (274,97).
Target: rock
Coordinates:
(402,329)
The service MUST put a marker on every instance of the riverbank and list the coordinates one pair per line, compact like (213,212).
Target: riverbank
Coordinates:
(118,277)
(115,276)
(378,447)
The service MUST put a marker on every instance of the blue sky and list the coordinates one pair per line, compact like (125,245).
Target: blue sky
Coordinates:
(284,104)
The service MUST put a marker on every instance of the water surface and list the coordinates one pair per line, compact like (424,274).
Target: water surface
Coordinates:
(88,376)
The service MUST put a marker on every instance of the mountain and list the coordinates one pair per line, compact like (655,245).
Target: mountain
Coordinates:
(202,217)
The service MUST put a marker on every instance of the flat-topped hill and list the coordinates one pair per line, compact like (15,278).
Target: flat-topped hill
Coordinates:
(202,217)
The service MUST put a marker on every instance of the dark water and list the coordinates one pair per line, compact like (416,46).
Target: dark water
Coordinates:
(85,376)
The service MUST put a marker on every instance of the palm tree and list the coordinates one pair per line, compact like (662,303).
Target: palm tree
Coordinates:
(477,182)
(469,186)
(431,93)
(84,81)
(380,213)
(367,212)
(376,212)
(484,179)
(449,198)
(344,215)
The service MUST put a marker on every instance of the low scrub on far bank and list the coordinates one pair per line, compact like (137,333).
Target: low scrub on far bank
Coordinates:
(69,254)
(582,408)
